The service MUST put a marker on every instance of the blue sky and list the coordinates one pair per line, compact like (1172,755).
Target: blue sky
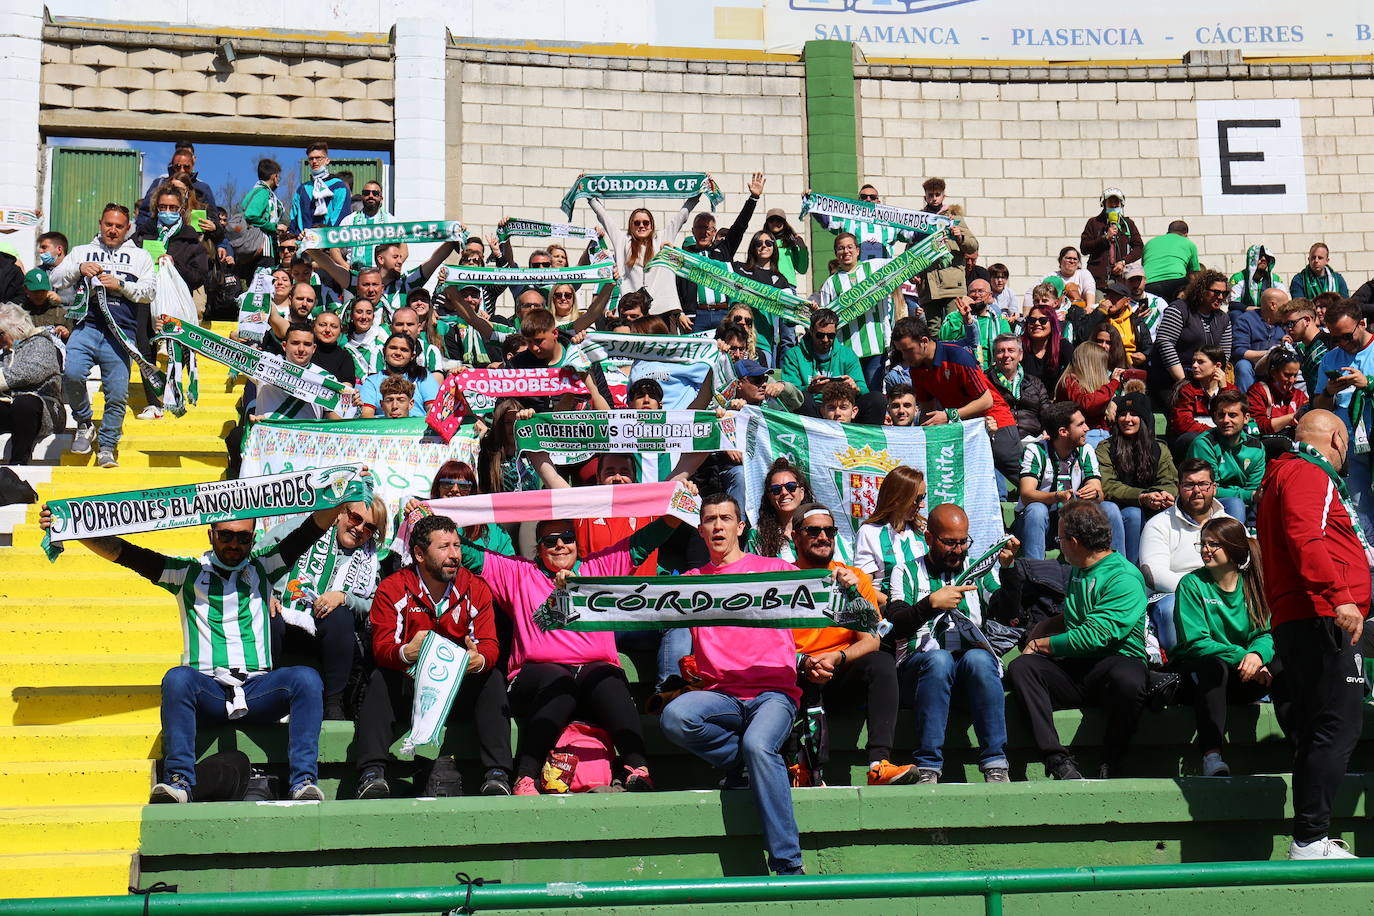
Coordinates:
(222,166)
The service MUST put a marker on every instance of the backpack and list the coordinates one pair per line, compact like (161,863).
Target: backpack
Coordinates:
(1031,591)
(15,490)
(591,753)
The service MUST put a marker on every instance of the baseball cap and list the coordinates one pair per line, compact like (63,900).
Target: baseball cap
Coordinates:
(750,368)
(776,211)
(1133,270)
(37,281)
(1117,289)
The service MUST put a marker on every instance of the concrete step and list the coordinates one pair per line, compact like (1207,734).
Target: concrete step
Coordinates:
(67,874)
(88,671)
(55,828)
(42,784)
(80,705)
(86,637)
(78,743)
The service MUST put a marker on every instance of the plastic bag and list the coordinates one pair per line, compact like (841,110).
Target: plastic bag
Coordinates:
(173,300)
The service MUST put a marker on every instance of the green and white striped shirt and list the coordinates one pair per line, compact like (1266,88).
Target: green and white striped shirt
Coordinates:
(913,582)
(364,255)
(1053,473)
(868,334)
(878,551)
(225,614)
(871,236)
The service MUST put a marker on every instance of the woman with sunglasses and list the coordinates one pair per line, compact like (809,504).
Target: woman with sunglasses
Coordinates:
(399,357)
(894,534)
(1191,410)
(1197,320)
(793,256)
(1045,353)
(635,246)
(340,569)
(742,317)
(563,301)
(762,263)
(1224,645)
(455,479)
(784,489)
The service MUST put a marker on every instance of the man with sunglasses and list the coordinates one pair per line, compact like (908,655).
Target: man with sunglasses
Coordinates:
(875,240)
(183,169)
(706,307)
(372,213)
(941,649)
(820,358)
(840,666)
(1298,319)
(226,671)
(1343,388)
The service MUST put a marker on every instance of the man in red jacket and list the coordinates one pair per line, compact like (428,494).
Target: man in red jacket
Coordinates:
(1316,582)
(434,593)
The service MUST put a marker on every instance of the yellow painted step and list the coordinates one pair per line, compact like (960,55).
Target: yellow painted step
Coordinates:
(97,780)
(79,743)
(24,579)
(131,670)
(82,477)
(80,705)
(66,874)
(58,828)
(132,610)
(198,452)
(93,637)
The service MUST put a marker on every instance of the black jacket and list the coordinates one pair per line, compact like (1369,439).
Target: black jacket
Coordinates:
(723,250)
(1027,408)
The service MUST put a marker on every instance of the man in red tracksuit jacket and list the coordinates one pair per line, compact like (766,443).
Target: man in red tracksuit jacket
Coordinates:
(435,593)
(1317,585)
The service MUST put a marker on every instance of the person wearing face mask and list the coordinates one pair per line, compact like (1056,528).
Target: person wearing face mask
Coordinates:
(182,168)
(1111,240)
(323,199)
(232,585)
(52,250)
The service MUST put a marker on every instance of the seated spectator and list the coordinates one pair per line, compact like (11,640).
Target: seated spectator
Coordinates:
(1254,332)
(839,667)
(1131,329)
(1111,240)
(1091,383)
(398,397)
(1275,400)
(785,489)
(894,535)
(1073,272)
(329,356)
(744,710)
(818,358)
(1024,393)
(1057,470)
(334,583)
(901,406)
(1317,277)
(1195,322)
(1004,299)
(1237,457)
(1137,471)
(742,317)
(837,402)
(757,387)
(557,673)
(1094,653)
(1303,328)
(1344,373)
(1045,353)
(434,593)
(950,388)
(1222,620)
(1169,538)
(1145,303)
(30,384)
(973,317)
(399,358)
(1191,413)
(1258,275)
(940,655)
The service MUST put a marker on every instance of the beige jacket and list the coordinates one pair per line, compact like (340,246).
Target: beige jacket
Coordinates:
(945,282)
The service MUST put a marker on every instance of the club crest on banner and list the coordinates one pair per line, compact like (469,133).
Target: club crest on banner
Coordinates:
(858,478)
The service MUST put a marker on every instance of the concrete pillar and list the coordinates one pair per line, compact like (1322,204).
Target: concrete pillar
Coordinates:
(21,48)
(419,150)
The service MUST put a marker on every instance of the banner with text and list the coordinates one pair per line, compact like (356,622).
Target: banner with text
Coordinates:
(574,436)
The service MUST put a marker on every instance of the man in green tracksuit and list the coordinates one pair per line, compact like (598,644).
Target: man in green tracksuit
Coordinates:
(1092,653)
(1236,458)
(819,358)
(977,312)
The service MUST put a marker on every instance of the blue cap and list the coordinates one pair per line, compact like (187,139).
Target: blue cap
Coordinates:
(749,368)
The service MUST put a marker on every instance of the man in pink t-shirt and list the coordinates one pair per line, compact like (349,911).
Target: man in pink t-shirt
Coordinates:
(745,710)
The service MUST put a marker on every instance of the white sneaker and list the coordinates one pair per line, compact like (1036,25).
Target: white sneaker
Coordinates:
(1325,848)
(82,438)
(150,413)
(106,458)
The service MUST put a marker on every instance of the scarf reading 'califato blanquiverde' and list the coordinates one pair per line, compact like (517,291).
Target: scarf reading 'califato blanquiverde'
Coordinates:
(571,437)
(863,298)
(795,599)
(658,348)
(626,185)
(382,233)
(870,212)
(305,383)
(189,505)
(529,228)
(526,276)
(736,288)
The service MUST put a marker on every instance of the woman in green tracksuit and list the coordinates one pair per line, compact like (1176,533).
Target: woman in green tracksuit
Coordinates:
(1223,633)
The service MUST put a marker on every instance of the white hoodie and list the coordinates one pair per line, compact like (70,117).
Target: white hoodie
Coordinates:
(1169,546)
(130,263)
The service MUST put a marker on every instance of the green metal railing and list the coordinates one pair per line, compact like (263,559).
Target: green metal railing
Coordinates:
(993,887)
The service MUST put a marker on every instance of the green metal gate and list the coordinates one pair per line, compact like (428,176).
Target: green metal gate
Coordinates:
(362,171)
(84,180)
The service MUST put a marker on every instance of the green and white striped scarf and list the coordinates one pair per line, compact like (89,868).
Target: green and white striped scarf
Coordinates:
(528,228)
(630,185)
(719,276)
(866,334)
(899,222)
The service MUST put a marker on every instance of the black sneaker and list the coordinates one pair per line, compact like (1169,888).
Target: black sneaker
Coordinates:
(1066,768)
(497,782)
(443,780)
(334,709)
(372,784)
(260,787)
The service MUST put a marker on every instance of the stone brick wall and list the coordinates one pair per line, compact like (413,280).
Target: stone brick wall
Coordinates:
(127,83)
(1027,152)
(532,121)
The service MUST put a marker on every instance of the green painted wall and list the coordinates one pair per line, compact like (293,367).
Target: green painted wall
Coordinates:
(832,136)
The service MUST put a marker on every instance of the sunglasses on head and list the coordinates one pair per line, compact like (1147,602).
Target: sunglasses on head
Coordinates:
(242,538)
(356,521)
(815,531)
(551,541)
(775,488)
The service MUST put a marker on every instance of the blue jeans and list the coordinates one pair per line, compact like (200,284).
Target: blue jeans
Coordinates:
(670,645)
(731,734)
(89,346)
(872,368)
(732,479)
(929,680)
(704,320)
(1236,508)
(1097,436)
(1132,520)
(1245,374)
(1032,526)
(1357,478)
(1162,616)
(189,697)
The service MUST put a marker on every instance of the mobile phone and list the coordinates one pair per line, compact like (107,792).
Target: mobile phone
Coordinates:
(196,217)
(1334,373)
